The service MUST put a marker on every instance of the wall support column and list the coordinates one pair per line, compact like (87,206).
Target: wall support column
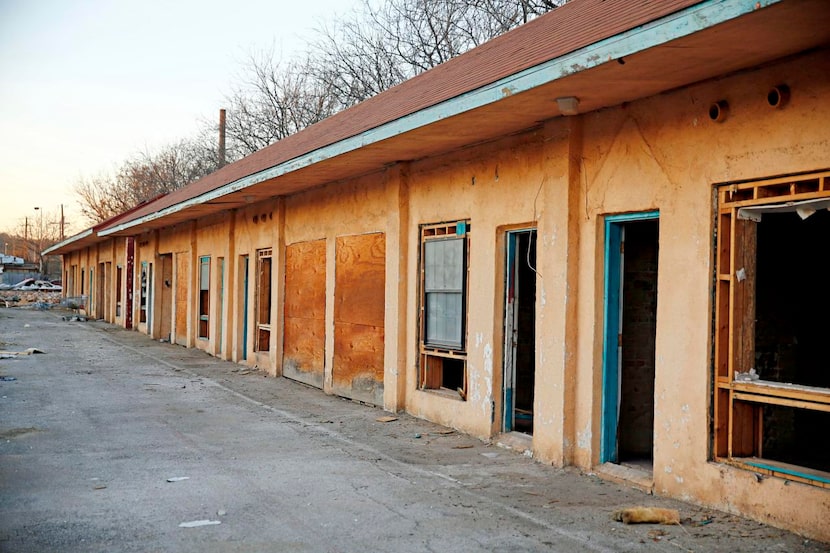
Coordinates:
(278,291)
(396,339)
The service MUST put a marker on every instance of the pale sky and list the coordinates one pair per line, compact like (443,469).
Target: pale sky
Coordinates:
(85,84)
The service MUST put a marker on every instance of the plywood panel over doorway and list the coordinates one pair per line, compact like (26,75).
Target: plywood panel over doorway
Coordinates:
(358,317)
(182,279)
(166,293)
(305,312)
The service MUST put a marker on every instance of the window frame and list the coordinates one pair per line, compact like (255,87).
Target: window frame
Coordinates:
(443,363)
(737,422)
(263,304)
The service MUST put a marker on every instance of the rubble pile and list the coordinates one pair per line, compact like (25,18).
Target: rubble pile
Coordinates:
(15,298)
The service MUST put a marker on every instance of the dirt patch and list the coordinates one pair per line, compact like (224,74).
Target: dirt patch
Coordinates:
(8,433)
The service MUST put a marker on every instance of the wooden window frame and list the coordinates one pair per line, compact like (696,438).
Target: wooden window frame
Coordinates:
(433,358)
(738,404)
(263,302)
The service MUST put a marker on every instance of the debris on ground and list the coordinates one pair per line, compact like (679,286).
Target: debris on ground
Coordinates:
(75,319)
(657,535)
(386,419)
(33,299)
(178,478)
(7,378)
(647,515)
(10,354)
(197,523)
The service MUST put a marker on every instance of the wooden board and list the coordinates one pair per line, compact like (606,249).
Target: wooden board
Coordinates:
(304,338)
(359,309)
(182,286)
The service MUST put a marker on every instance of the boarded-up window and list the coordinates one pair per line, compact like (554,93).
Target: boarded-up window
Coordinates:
(204,297)
(444,306)
(263,300)
(359,306)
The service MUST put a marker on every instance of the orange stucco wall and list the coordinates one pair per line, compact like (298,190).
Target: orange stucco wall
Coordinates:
(563,177)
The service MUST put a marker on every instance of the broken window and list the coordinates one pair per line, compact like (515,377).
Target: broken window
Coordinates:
(204,297)
(263,301)
(444,260)
(772,386)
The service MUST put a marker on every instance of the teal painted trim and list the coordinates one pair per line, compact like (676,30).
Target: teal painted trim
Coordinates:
(245,310)
(791,472)
(683,23)
(221,292)
(75,238)
(510,278)
(611,330)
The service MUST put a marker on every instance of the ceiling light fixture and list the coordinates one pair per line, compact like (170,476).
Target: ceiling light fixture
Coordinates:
(568,105)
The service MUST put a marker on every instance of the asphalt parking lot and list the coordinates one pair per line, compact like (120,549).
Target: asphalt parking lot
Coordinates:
(92,429)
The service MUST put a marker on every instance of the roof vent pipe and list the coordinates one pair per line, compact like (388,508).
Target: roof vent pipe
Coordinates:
(718,111)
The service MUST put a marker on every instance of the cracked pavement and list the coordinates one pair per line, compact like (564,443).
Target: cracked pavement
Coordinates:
(91,430)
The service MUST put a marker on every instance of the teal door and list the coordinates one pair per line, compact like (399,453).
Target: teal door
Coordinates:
(629,300)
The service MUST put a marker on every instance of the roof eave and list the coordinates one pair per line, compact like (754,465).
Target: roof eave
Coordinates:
(639,39)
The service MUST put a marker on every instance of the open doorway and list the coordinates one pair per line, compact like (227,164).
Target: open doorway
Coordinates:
(630,330)
(520,331)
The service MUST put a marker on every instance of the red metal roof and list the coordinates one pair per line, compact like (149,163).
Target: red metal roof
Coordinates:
(575,25)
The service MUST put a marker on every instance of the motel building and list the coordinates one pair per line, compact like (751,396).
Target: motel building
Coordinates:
(601,238)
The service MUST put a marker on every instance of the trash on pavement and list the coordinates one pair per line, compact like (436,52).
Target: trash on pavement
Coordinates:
(197,523)
(647,515)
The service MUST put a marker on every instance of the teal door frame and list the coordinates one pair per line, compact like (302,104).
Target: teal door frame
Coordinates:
(245,308)
(510,330)
(612,306)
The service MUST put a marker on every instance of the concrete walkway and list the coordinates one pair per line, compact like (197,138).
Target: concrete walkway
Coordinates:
(91,430)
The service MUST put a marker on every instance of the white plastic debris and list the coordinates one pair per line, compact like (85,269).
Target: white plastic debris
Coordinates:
(178,478)
(197,523)
(749,376)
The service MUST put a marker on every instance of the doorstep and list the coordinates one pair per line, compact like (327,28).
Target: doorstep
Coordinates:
(634,477)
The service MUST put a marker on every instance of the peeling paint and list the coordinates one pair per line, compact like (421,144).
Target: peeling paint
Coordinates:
(486,403)
(667,469)
(584,438)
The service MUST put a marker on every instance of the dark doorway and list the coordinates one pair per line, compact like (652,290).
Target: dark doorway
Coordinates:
(520,331)
(630,332)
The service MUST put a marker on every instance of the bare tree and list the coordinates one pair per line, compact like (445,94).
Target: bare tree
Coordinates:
(275,101)
(358,56)
(32,234)
(144,177)
(376,48)
(368,51)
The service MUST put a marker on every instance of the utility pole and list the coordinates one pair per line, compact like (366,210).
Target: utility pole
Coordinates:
(221,138)
(62,222)
(26,239)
